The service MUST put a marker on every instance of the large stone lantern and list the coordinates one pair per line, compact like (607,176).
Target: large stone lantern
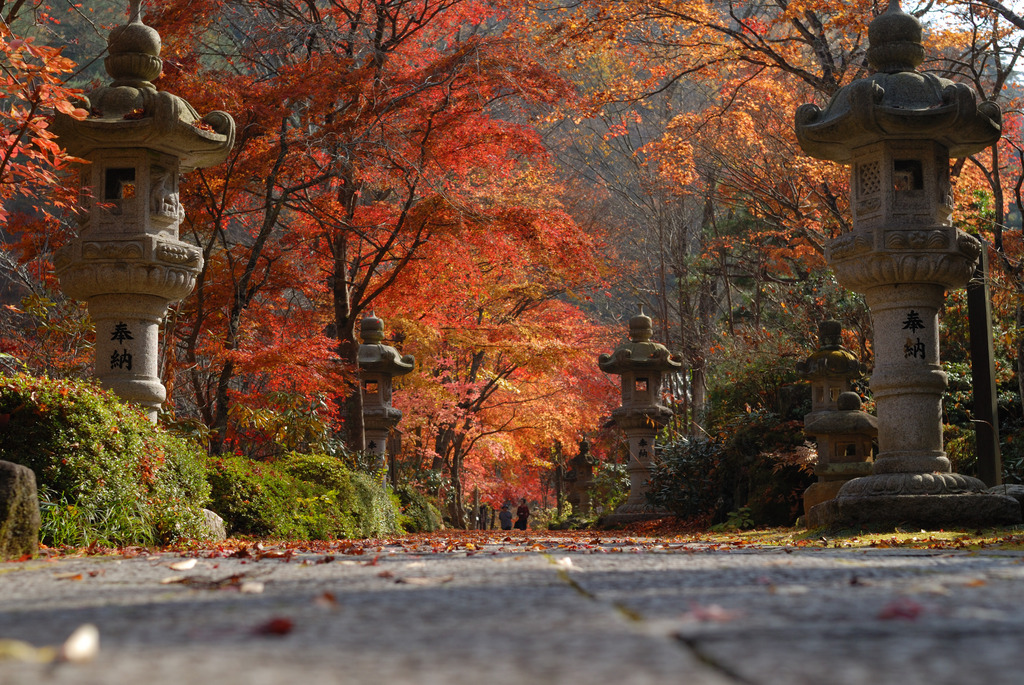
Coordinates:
(642,365)
(898,129)
(378,364)
(127,263)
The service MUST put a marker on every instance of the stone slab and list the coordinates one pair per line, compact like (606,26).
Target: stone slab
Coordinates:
(530,609)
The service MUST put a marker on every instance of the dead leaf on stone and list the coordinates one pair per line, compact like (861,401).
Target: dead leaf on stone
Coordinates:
(413,580)
(171,580)
(82,645)
(564,563)
(789,589)
(929,588)
(183,565)
(232,582)
(710,613)
(326,601)
(902,608)
(275,627)
(68,576)
(16,650)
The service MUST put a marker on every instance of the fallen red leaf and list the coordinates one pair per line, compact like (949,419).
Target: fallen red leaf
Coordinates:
(903,608)
(275,626)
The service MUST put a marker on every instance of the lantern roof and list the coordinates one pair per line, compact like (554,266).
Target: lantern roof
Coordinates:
(831,359)
(640,353)
(131,113)
(898,102)
(377,357)
(847,419)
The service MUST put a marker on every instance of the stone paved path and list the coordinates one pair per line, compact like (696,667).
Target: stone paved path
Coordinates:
(530,610)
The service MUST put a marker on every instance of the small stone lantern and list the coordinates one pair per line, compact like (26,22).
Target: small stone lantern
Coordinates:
(642,365)
(378,364)
(844,434)
(898,129)
(127,263)
(580,477)
(845,439)
(831,369)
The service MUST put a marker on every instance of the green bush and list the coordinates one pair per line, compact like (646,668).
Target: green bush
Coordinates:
(610,487)
(419,514)
(304,496)
(756,465)
(685,478)
(106,474)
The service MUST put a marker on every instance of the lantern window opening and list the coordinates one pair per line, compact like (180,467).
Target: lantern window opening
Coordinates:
(641,385)
(849,449)
(370,388)
(907,174)
(118,184)
(833,393)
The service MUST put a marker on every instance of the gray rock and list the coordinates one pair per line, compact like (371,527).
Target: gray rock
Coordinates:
(1014,491)
(215,527)
(19,511)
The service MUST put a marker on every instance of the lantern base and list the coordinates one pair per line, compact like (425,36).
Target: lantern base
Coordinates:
(633,513)
(927,512)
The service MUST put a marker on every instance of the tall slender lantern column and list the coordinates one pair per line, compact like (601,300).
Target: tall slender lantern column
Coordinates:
(642,365)
(127,263)
(898,129)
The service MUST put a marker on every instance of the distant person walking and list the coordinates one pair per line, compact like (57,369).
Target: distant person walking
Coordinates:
(522,513)
(505,516)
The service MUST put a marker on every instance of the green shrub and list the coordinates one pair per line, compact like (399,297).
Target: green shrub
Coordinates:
(685,478)
(419,514)
(756,465)
(610,487)
(765,468)
(105,473)
(305,496)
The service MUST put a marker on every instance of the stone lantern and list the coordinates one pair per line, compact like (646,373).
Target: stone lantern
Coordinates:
(898,129)
(831,369)
(845,439)
(844,434)
(580,477)
(642,365)
(378,364)
(127,263)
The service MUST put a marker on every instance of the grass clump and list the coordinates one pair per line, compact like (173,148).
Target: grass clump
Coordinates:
(106,475)
(301,496)
(419,514)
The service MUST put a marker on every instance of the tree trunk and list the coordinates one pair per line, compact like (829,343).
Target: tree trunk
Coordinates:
(351,403)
